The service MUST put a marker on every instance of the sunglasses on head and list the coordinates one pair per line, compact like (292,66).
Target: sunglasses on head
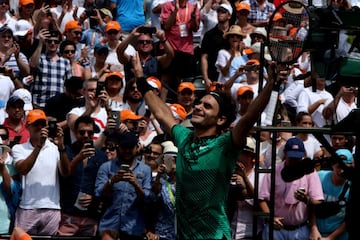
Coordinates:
(144,41)
(89,132)
(52,41)
(69,51)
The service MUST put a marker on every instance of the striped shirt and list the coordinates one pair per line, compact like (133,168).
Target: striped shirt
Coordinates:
(50,78)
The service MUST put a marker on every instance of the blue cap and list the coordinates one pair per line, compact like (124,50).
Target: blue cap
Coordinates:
(347,154)
(294,148)
(101,48)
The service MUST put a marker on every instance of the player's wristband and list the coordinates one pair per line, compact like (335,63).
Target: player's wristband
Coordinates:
(143,86)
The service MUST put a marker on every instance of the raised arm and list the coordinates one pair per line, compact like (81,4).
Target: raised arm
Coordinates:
(245,124)
(157,106)
(34,60)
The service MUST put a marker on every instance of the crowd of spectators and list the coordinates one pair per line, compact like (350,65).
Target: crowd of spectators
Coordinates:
(82,153)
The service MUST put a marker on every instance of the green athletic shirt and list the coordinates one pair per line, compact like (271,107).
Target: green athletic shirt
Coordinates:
(203,170)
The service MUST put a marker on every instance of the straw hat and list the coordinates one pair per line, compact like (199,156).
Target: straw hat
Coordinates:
(234,30)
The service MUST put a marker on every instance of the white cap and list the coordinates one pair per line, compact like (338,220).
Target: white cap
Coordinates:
(22,27)
(256,47)
(169,148)
(227,7)
(25,95)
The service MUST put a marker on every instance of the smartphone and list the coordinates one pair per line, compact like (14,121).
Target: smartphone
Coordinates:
(251,68)
(147,30)
(125,167)
(99,87)
(52,128)
(116,115)
(17,139)
(89,144)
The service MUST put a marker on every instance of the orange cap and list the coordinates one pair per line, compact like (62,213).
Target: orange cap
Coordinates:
(116,74)
(277,17)
(248,51)
(242,6)
(34,115)
(253,62)
(154,82)
(112,25)
(26,2)
(72,24)
(185,85)
(241,90)
(129,115)
(178,111)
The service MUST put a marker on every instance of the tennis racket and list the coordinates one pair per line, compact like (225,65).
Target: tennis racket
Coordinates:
(287,33)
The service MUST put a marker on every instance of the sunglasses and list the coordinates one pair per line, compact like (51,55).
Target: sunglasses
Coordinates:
(112,32)
(133,88)
(39,123)
(89,132)
(69,51)
(222,10)
(110,148)
(4,136)
(49,41)
(144,42)
(4,2)
(78,33)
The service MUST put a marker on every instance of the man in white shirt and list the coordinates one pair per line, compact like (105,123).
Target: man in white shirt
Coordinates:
(38,161)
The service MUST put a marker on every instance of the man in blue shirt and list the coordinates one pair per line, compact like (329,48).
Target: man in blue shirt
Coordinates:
(123,185)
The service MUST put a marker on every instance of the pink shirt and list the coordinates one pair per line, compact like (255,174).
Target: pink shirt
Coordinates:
(287,206)
(183,16)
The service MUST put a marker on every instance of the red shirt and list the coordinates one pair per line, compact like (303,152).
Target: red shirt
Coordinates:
(23,132)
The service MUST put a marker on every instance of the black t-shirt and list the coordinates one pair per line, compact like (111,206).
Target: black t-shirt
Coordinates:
(212,42)
(58,107)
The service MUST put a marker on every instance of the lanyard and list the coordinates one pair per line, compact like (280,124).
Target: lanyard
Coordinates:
(171,195)
(186,14)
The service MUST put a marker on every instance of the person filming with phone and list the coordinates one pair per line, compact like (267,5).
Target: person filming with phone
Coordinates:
(39,162)
(79,209)
(124,184)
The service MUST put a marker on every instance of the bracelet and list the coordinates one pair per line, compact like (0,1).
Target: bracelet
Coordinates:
(163,41)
